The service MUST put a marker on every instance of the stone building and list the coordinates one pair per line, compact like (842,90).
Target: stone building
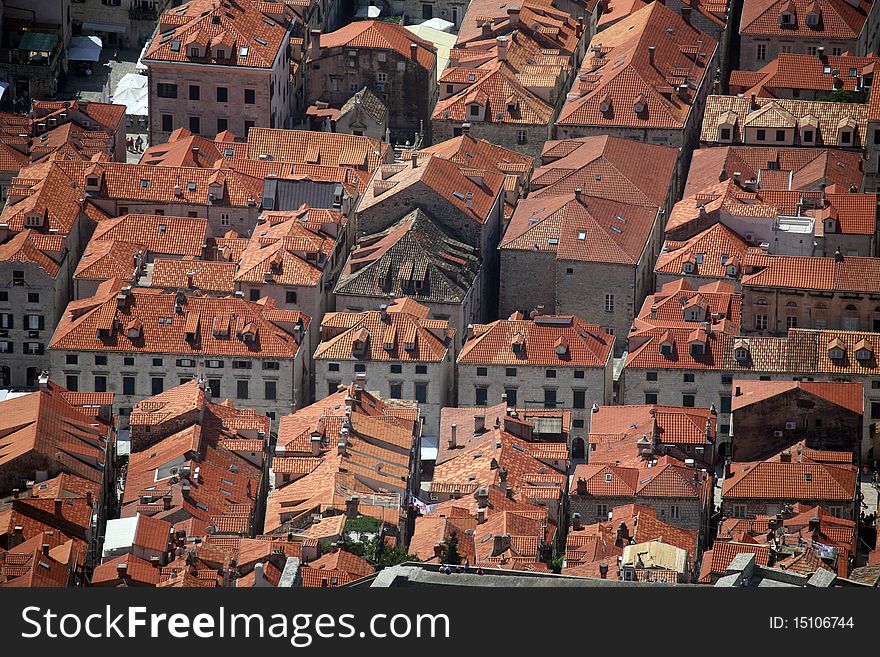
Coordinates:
(632,100)
(793,476)
(137,342)
(414,258)
(784,292)
(769,416)
(386,58)
(402,353)
(363,114)
(809,27)
(221,67)
(680,494)
(545,361)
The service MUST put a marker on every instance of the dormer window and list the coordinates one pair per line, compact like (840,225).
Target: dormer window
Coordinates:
(698,349)
(786,18)
(605,105)
(846,137)
(92,181)
(641,104)
(813,18)
(863,354)
(741,354)
(725,133)
(732,270)
(666,349)
(194,51)
(221,54)
(474,109)
(835,353)
(688,268)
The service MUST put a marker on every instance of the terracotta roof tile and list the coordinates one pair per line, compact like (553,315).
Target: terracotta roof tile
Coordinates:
(838,19)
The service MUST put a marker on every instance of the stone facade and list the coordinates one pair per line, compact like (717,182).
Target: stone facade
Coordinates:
(453,11)
(406,86)
(680,512)
(520,137)
(119,23)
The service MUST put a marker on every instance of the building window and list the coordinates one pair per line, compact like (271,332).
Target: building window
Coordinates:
(761,52)
(725,403)
(510,371)
(674,512)
(726,379)
(100,359)
(650,398)
(222,94)
(739,510)
(270,390)
(761,322)
(761,135)
(360,367)
(550,374)
(250,97)
(579,374)
(6,320)
(650,376)
(396,369)
(214,385)
(791,322)
(100,383)
(875,410)
(511,397)
(33,297)
(521,137)
(688,377)
(482,371)
(242,389)
(167,123)
(194,125)
(128,385)
(157,362)
(421,369)
(577,424)
(688,400)
(72,382)
(580,399)
(247,127)
(549,398)
(128,361)
(157,384)
(222,125)
(332,387)
(609,303)
(214,364)
(290,296)
(382,78)
(481,396)
(71,359)
(255,294)
(602,511)
(395,390)
(725,134)
(421,391)
(165,90)
(194,92)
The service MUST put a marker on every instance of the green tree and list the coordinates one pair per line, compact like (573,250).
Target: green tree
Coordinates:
(837,96)
(451,555)
(556,563)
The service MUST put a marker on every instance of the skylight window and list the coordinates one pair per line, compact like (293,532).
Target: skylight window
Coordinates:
(243,51)
(617,230)
(262,42)
(582,235)
(619,218)
(145,184)
(191,186)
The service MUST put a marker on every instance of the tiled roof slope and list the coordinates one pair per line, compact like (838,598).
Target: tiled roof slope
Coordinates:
(479,154)
(579,227)
(807,167)
(544,340)
(843,274)
(26,247)
(316,148)
(667,477)
(843,393)
(802,479)
(618,73)
(677,304)
(414,257)
(247,35)
(790,71)
(44,427)
(208,275)
(606,167)
(217,325)
(709,253)
(381,35)
(838,19)
(383,335)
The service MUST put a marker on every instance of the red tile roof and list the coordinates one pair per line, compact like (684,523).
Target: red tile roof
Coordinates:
(248,35)
(678,304)
(666,478)
(845,394)
(587,345)
(708,254)
(716,560)
(801,480)
(137,572)
(206,275)
(791,71)
(218,324)
(838,19)
(317,148)
(24,247)
(606,167)
(618,73)
(381,35)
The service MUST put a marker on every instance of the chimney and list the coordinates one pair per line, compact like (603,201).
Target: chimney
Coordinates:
(513,16)
(90,499)
(651,50)
(500,543)
(820,52)
(414,50)
(465,128)
(190,279)
(482,498)
(44,380)
(815,524)
(58,508)
(343,441)
(315,43)
(727,469)
(603,570)
(578,194)
(481,515)
(838,256)
(414,159)
(122,570)
(581,486)
(453,430)
(486,28)
(785,457)
(17,536)
(653,311)
(479,423)
(738,392)
(351,507)
(576,523)
(469,200)
(501,43)
(686,14)
(45,549)
(622,535)
(752,101)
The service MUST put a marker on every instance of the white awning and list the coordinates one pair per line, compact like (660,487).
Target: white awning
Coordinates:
(99,26)
(132,92)
(85,49)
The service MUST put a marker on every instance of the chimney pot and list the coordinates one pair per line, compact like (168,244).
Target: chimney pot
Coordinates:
(45,549)
(453,431)
(576,523)
(603,570)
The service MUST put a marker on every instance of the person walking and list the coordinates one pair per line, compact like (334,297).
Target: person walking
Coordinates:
(139,144)
(130,144)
